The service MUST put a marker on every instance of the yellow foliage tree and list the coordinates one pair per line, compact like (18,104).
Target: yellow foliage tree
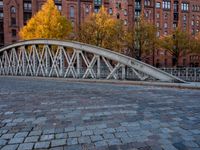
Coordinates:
(47,23)
(102,30)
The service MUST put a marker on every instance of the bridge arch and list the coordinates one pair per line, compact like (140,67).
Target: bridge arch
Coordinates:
(49,57)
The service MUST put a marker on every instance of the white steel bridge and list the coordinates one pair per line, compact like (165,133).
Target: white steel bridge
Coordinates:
(69,59)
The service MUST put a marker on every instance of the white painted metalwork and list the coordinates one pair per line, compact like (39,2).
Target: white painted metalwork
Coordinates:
(54,58)
(190,74)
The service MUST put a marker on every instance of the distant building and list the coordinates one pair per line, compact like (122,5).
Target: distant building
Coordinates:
(165,14)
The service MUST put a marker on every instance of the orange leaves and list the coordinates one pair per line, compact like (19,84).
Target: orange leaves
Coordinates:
(102,30)
(47,23)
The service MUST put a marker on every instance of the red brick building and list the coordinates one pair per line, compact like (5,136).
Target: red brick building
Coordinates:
(165,14)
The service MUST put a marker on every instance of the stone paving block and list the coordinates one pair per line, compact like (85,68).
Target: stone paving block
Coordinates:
(57,148)
(33,133)
(61,136)
(21,134)
(10,147)
(84,139)
(18,120)
(98,132)
(59,142)
(114,142)
(3,131)
(196,131)
(108,136)
(2,142)
(121,134)
(26,146)
(59,130)
(6,121)
(42,145)
(95,138)
(73,147)
(109,130)
(16,140)
(80,128)
(29,120)
(91,127)
(74,134)
(101,126)
(69,129)
(101,144)
(72,141)
(120,129)
(31,139)
(47,137)
(87,132)
(191,144)
(169,147)
(7,136)
(49,131)
(126,140)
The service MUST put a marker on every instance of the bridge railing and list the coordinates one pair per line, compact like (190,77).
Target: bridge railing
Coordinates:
(188,74)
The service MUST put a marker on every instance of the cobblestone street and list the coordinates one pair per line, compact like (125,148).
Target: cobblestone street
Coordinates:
(63,115)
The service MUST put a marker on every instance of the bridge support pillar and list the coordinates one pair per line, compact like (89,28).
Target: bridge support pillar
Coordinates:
(98,67)
(123,72)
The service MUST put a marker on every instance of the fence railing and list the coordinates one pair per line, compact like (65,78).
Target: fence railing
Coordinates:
(187,74)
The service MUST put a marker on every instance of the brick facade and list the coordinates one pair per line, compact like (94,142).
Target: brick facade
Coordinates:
(165,14)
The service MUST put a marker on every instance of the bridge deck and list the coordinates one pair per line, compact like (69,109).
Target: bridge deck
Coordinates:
(37,113)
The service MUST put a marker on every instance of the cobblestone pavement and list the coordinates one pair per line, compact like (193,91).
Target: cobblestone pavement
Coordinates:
(62,115)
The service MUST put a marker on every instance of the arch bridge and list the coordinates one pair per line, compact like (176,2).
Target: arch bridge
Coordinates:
(68,59)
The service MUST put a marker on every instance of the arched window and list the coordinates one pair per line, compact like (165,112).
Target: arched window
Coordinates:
(13,10)
(71,12)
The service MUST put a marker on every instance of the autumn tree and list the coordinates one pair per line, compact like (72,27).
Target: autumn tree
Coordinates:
(141,38)
(47,23)
(177,43)
(102,30)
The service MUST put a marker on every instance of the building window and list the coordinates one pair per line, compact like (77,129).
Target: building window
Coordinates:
(59,7)
(165,25)
(13,10)
(184,6)
(174,25)
(110,11)
(1,15)
(97,2)
(28,6)
(1,26)
(71,12)
(165,62)
(158,5)
(1,4)
(72,22)
(184,62)
(157,24)
(14,33)
(13,21)
(157,15)
(118,5)
(166,4)
(147,3)
(192,23)
(184,18)
(118,16)
(27,16)
(125,22)
(125,12)
(158,34)
(87,9)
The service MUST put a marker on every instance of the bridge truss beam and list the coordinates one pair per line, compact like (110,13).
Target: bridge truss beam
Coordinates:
(52,58)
